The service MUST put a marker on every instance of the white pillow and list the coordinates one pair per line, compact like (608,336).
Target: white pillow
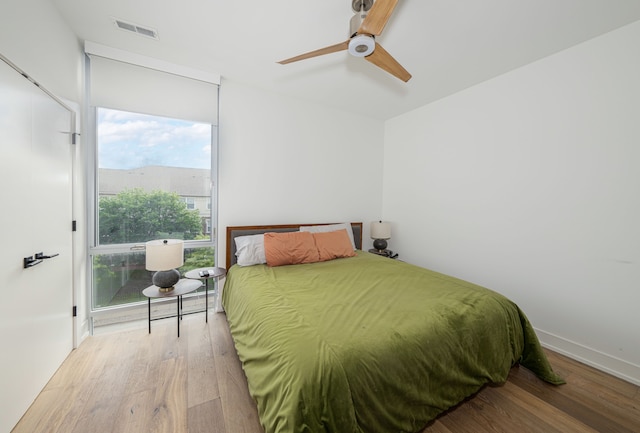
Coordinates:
(250,250)
(331,228)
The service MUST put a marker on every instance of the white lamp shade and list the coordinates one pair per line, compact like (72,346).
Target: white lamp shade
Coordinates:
(164,254)
(380,230)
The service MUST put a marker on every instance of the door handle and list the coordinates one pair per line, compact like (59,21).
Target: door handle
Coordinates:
(40,256)
(29,262)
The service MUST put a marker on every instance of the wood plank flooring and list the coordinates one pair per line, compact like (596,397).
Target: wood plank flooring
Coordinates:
(131,381)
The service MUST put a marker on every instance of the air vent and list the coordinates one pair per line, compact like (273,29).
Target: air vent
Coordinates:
(144,31)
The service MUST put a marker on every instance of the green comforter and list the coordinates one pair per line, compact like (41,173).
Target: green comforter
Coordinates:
(368,344)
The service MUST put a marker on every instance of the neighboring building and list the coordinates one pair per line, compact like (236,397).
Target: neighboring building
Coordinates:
(193,185)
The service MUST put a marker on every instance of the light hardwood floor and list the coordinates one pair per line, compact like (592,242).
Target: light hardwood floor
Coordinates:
(131,381)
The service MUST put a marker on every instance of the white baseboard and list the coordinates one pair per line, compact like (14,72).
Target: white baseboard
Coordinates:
(81,331)
(602,361)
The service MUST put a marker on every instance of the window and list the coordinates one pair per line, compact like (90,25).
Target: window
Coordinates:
(148,166)
(118,278)
(154,170)
(190,202)
(151,172)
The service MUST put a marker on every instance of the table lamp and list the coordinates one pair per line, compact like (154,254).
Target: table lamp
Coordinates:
(380,232)
(163,256)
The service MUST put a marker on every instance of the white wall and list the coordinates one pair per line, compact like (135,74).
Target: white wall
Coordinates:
(34,36)
(283,160)
(528,184)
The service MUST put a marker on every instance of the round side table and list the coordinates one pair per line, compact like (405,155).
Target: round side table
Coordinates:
(206,274)
(182,287)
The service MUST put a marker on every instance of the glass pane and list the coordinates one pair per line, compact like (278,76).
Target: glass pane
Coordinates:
(119,278)
(154,178)
(154,182)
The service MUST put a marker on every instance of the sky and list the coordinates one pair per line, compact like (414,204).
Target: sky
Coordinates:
(131,140)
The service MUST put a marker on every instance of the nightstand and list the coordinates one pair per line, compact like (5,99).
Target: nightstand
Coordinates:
(182,287)
(384,253)
(206,274)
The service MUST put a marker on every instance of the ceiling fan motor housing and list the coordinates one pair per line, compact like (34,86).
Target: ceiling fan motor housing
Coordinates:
(361,45)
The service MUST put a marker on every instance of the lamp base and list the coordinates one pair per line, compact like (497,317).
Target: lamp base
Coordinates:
(165,280)
(380,244)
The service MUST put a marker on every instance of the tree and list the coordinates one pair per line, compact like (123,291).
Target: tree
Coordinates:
(138,216)
(199,258)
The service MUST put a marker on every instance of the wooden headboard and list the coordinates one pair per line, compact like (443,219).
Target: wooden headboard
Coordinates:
(234,232)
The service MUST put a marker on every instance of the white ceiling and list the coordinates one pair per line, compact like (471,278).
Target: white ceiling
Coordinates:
(447,45)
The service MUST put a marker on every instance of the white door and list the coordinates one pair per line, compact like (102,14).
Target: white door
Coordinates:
(36,323)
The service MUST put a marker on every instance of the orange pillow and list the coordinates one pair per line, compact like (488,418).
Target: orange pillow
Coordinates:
(289,248)
(333,245)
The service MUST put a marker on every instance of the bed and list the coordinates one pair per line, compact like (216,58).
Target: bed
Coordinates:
(365,343)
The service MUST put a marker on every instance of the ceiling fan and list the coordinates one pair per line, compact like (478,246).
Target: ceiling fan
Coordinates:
(368,22)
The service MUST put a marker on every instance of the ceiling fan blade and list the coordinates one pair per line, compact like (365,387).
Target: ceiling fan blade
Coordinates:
(322,51)
(381,58)
(377,17)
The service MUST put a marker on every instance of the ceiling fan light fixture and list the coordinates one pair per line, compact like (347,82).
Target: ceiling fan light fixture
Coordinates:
(361,45)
